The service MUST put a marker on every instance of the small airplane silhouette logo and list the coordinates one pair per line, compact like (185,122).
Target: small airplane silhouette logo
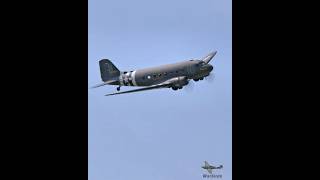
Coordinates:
(209,168)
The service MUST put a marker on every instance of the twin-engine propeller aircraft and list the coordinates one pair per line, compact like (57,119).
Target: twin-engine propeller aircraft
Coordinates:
(173,76)
(209,168)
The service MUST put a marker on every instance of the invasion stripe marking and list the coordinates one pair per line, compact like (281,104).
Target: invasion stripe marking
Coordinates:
(121,80)
(130,82)
(130,79)
(134,78)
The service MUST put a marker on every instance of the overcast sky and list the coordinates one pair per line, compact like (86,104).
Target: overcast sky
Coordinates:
(160,134)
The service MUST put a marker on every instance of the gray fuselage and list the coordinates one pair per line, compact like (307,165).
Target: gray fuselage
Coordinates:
(192,69)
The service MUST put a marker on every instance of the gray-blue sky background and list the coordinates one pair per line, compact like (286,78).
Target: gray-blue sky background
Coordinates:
(160,134)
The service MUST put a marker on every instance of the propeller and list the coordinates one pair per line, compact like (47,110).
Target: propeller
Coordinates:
(211,76)
(190,86)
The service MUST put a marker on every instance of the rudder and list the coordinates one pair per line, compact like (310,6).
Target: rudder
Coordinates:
(108,70)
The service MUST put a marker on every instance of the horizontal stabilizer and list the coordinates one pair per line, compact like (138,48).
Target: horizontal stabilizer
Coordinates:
(105,83)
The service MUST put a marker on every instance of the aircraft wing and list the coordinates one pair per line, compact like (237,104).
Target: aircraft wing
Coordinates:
(206,163)
(208,58)
(142,89)
(210,171)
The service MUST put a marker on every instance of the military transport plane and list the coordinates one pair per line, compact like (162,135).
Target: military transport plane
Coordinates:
(209,168)
(173,76)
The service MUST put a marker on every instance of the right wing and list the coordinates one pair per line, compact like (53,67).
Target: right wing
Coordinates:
(142,89)
(208,58)
(206,163)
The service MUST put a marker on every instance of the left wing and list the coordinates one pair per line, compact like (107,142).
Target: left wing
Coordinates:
(142,89)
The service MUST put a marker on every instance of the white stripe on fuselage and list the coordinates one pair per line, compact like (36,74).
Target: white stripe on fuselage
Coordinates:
(134,78)
(121,80)
(128,78)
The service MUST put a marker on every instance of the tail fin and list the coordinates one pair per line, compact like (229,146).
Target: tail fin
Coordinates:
(108,70)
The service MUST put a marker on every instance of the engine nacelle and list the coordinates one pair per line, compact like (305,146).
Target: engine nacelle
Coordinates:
(179,81)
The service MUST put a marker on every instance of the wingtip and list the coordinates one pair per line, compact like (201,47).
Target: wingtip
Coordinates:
(213,53)
(208,58)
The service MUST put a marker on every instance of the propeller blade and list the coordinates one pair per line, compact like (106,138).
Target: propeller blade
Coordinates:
(190,86)
(211,77)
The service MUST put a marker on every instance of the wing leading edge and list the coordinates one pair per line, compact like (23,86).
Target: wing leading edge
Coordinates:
(158,86)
